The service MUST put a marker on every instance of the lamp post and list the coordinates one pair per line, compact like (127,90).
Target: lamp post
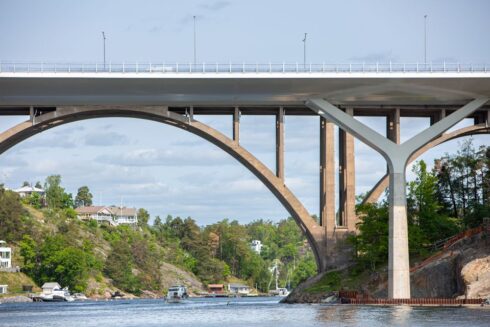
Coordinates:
(195,52)
(304,52)
(425,39)
(103,43)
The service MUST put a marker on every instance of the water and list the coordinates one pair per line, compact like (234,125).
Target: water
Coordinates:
(254,312)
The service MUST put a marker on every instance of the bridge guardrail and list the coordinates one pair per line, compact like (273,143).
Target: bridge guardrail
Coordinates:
(136,67)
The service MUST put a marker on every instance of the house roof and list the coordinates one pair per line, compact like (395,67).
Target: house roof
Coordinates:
(29,189)
(89,209)
(122,211)
(215,286)
(51,285)
(238,285)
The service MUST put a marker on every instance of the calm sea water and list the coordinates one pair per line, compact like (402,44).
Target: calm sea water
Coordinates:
(254,312)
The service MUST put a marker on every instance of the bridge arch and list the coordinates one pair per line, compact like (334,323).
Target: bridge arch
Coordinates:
(67,114)
(383,183)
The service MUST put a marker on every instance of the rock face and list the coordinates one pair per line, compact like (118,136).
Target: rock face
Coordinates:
(476,277)
(462,271)
(298,295)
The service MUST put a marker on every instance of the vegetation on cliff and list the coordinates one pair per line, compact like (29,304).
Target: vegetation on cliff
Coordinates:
(56,246)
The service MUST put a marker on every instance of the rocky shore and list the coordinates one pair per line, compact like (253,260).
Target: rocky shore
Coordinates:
(460,271)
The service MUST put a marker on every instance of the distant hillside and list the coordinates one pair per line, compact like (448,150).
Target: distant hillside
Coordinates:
(51,244)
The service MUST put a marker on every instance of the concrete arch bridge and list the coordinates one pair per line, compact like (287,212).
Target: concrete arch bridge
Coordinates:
(53,98)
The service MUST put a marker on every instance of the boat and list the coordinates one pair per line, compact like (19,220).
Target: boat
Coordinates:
(176,294)
(280,291)
(79,297)
(57,295)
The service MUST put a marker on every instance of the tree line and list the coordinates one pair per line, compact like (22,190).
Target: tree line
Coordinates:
(452,197)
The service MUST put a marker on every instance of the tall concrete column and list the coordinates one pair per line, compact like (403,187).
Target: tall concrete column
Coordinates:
(398,256)
(236,125)
(280,143)
(397,156)
(347,183)
(327,177)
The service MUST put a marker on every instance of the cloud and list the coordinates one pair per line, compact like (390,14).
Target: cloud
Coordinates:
(165,157)
(106,139)
(215,6)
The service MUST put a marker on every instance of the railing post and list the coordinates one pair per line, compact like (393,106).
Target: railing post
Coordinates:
(310,67)
(230,66)
(390,67)
(350,68)
(417,66)
(203,67)
(124,68)
(243,67)
(270,67)
(444,66)
(216,67)
(323,67)
(283,67)
(377,67)
(296,66)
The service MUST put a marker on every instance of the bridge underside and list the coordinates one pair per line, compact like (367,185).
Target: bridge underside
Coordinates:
(445,101)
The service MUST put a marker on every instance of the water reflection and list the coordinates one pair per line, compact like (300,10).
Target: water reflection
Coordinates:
(256,312)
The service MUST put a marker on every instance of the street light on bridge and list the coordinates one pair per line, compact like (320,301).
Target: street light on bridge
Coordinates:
(304,52)
(103,43)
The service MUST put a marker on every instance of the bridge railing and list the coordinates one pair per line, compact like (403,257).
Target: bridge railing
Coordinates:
(136,67)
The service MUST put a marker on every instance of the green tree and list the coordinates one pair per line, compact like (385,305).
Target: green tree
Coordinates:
(143,217)
(13,216)
(119,267)
(83,198)
(424,209)
(55,194)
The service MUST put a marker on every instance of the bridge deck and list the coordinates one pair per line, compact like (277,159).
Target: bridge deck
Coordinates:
(253,90)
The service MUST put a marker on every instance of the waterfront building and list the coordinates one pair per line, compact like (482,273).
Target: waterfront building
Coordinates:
(216,288)
(28,190)
(108,214)
(239,289)
(256,246)
(3,289)
(5,256)
(48,288)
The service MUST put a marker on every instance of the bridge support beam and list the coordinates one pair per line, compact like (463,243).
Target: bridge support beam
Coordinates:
(397,156)
(280,143)
(347,175)
(236,125)
(393,126)
(327,185)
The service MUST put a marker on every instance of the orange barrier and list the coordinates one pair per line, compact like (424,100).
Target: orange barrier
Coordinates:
(421,301)
(450,241)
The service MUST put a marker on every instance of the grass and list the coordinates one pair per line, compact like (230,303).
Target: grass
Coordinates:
(15,282)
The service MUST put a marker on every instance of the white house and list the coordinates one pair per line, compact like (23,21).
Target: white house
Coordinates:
(48,288)
(239,289)
(256,245)
(111,215)
(3,289)
(25,191)
(5,256)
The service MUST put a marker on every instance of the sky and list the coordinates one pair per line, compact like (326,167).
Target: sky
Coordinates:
(167,171)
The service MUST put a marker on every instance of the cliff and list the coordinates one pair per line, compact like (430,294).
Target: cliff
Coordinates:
(461,270)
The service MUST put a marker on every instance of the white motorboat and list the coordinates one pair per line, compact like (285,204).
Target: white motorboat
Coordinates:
(176,294)
(57,295)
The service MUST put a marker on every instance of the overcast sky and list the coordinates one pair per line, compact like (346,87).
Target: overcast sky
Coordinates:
(169,171)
